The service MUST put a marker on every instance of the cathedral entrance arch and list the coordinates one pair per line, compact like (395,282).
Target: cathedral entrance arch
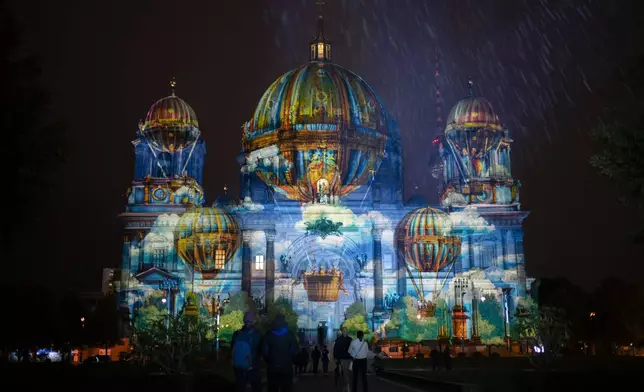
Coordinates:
(312,253)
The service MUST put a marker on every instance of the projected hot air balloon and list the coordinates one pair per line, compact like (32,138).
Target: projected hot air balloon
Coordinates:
(472,130)
(170,125)
(318,133)
(207,240)
(425,242)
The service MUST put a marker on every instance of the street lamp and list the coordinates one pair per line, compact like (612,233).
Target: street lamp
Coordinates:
(217,311)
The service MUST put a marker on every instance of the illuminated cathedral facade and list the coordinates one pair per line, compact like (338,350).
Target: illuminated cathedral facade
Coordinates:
(321,220)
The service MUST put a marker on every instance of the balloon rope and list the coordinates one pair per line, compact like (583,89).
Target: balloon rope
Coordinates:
(420,293)
(446,276)
(188,160)
(157,159)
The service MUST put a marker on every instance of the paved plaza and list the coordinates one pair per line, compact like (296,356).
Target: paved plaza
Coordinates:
(318,383)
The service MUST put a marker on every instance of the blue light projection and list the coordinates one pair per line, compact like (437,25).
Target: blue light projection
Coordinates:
(320,250)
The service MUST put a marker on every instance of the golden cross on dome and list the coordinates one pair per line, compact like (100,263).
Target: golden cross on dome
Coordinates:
(173,84)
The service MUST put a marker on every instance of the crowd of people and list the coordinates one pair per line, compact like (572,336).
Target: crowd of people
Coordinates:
(284,358)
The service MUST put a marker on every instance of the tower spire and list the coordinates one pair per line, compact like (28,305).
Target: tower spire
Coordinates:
(470,84)
(173,84)
(320,47)
(437,160)
(438,97)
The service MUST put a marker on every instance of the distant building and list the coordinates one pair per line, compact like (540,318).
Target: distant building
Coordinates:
(108,280)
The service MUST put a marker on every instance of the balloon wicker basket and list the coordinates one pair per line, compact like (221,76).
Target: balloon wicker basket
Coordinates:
(322,287)
(427,310)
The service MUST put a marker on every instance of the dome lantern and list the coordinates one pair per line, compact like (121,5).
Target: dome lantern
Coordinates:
(320,46)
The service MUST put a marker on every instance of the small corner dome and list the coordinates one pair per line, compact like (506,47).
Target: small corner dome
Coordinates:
(171,125)
(170,111)
(473,112)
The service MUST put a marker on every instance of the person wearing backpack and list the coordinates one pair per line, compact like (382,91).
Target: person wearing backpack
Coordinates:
(280,348)
(359,350)
(246,348)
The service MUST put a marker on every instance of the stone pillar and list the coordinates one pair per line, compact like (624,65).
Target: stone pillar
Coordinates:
(465,257)
(401,275)
(470,250)
(126,253)
(270,266)
(377,272)
(141,249)
(518,248)
(504,249)
(247,235)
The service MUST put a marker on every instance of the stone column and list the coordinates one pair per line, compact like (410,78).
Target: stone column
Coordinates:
(465,258)
(470,250)
(518,248)
(378,309)
(126,253)
(401,274)
(504,249)
(270,266)
(247,235)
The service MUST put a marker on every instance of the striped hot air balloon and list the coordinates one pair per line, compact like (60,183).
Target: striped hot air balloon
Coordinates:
(207,239)
(425,241)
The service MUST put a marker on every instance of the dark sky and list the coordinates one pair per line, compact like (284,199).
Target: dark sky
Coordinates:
(549,67)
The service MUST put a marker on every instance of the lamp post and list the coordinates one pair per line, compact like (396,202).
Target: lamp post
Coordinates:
(80,354)
(217,311)
(506,315)
(476,337)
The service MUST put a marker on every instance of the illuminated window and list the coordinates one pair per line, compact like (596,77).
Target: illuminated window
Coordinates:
(320,50)
(259,262)
(220,259)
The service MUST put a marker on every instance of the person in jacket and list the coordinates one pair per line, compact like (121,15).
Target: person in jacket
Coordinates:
(359,350)
(246,344)
(279,349)
(342,358)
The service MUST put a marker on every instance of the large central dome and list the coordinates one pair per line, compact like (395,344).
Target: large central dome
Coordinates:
(318,96)
(319,131)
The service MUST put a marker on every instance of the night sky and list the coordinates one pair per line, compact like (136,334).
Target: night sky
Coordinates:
(549,67)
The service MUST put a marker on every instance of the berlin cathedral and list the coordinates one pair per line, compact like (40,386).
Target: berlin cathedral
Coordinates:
(321,220)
